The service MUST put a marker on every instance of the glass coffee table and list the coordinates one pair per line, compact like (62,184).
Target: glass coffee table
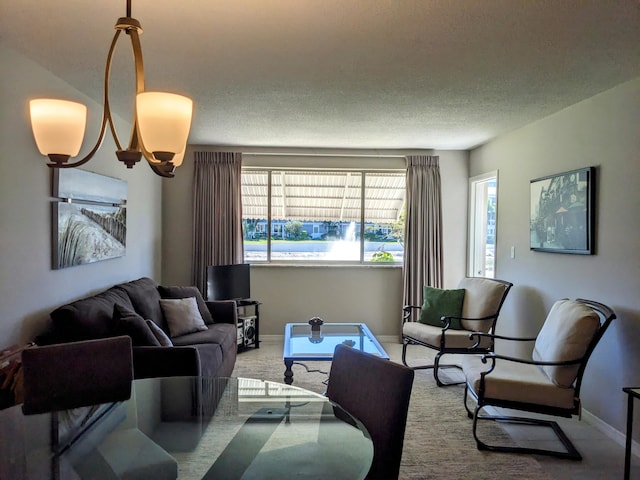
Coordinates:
(302,342)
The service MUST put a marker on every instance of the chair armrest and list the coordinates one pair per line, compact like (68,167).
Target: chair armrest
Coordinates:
(178,361)
(407,310)
(494,356)
(223,311)
(493,336)
(476,319)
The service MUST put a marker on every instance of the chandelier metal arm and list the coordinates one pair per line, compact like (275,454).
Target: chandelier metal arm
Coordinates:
(106,116)
(160,161)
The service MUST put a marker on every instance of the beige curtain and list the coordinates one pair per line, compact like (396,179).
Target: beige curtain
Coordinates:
(423,228)
(217,213)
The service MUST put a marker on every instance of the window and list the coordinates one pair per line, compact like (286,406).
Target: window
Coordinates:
(323,215)
(483,207)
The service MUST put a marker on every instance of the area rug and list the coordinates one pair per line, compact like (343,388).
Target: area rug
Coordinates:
(438,441)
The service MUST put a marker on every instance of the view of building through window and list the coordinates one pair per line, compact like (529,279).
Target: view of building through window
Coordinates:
(483,196)
(322,215)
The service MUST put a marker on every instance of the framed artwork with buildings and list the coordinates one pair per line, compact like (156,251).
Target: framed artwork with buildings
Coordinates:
(563,212)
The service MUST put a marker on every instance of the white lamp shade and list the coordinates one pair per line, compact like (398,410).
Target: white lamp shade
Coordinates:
(164,120)
(58,125)
(179,157)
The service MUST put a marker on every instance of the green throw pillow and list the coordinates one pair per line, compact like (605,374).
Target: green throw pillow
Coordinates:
(441,303)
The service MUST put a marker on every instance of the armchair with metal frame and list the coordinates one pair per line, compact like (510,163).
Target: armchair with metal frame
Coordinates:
(482,303)
(548,383)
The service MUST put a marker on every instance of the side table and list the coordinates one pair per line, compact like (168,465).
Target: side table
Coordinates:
(248,323)
(633,393)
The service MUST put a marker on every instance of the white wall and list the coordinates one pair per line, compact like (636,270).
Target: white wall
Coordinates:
(603,132)
(29,288)
(297,293)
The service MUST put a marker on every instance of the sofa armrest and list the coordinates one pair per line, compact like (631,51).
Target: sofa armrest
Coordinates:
(223,311)
(150,362)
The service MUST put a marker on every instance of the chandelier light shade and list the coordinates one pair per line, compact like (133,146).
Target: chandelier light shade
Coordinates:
(58,126)
(161,121)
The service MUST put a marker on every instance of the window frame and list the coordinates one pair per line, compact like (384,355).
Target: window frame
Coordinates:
(362,226)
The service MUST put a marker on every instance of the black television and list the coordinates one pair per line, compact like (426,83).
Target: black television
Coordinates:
(228,282)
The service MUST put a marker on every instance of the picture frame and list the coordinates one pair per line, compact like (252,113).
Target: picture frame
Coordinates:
(87,233)
(89,219)
(75,184)
(562,212)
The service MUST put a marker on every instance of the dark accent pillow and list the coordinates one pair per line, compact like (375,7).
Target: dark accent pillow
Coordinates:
(162,337)
(130,323)
(441,303)
(186,292)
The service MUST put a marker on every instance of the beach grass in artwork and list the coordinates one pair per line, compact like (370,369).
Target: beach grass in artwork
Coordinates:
(87,233)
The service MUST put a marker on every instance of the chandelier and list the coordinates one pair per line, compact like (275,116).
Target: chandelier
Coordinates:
(161,120)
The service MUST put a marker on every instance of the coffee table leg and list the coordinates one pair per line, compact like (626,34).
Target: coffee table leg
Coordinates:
(288,373)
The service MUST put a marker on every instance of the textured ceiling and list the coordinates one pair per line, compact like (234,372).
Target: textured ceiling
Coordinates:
(376,74)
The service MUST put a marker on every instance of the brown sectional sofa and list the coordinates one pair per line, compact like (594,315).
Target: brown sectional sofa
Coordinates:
(211,352)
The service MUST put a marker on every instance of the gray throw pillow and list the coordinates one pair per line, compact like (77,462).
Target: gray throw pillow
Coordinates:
(182,316)
(441,303)
(162,337)
(184,292)
(128,322)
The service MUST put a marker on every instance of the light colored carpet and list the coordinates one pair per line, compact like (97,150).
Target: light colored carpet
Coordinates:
(438,441)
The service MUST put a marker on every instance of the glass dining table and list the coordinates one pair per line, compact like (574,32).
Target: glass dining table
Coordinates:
(190,428)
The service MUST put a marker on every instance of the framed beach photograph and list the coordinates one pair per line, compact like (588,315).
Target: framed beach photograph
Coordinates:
(87,233)
(563,212)
(89,218)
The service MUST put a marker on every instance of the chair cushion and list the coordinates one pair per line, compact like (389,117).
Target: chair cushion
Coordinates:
(441,303)
(482,298)
(517,382)
(182,315)
(128,322)
(565,335)
(432,335)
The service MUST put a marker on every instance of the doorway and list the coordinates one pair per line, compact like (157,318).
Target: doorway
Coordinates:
(483,216)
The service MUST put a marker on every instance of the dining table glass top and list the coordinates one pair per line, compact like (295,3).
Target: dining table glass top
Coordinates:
(190,428)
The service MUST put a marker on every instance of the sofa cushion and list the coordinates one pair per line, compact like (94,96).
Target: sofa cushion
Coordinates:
(128,322)
(224,334)
(162,337)
(185,292)
(182,315)
(144,296)
(90,317)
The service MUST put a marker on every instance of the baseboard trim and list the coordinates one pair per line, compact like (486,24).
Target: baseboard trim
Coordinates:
(271,338)
(614,434)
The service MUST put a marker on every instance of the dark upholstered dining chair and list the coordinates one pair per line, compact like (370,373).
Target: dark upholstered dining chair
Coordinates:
(377,393)
(548,383)
(71,375)
(483,300)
